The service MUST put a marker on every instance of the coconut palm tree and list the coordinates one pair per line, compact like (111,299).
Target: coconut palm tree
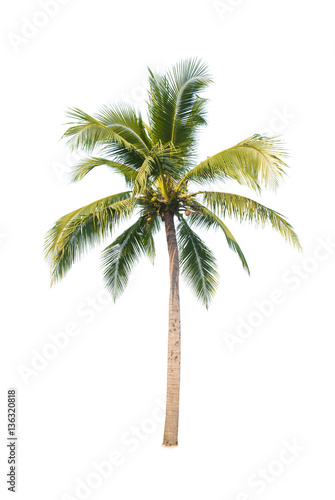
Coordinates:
(164,187)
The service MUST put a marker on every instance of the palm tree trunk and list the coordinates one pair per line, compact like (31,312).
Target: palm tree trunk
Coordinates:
(173,367)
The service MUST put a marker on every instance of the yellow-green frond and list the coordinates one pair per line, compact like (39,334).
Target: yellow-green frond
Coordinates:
(246,209)
(85,166)
(254,162)
(73,234)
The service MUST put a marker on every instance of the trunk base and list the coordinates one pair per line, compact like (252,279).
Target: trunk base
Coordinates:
(167,445)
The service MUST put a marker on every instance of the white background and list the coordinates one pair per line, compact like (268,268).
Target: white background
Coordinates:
(272,62)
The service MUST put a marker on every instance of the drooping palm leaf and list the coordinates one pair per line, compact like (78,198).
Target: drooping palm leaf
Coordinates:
(198,264)
(246,209)
(204,218)
(119,258)
(74,233)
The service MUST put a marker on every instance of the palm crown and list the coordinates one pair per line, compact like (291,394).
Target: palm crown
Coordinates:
(157,160)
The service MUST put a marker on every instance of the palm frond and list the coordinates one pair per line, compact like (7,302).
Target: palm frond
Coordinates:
(175,108)
(198,264)
(126,122)
(170,161)
(265,155)
(160,108)
(202,217)
(122,154)
(254,162)
(86,165)
(246,209)
(88,132)
(73,234)
(188,79)
(163,163)
(185,139)
(147,173)
(119,258)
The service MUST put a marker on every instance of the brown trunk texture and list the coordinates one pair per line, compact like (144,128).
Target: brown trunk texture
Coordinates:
(173,365)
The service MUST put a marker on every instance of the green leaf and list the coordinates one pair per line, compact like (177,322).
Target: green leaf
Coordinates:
(144,175)
(198,264)
(119,258)
(74,233)
(86,165)
(175,108)
(204,218)
(188,78)
(89,132)
(126,122)
(246,209)
(254,162)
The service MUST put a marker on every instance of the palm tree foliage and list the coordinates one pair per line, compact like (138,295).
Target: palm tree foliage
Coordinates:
(157,160)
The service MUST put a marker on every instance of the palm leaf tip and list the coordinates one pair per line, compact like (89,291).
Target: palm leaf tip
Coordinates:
(266,157)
